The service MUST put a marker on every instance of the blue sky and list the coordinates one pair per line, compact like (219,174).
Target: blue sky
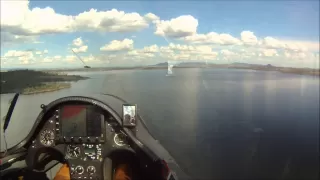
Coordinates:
(42,33)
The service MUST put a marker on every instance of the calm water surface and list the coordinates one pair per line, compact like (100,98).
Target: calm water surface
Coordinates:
(218,124)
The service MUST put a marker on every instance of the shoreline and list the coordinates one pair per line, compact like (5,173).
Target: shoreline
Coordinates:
(32,82)
(49,87)
(43,91)
(298,71)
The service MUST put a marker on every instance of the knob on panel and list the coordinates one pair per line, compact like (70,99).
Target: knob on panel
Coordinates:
(79,170)
(91,169)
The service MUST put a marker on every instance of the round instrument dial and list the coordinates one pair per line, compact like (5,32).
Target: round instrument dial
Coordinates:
(47,137)
(120,139)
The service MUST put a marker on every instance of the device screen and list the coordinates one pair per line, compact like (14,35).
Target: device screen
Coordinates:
(129,115)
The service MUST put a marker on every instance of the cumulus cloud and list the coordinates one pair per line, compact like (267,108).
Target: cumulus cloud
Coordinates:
(48,60)
(18,19)
(81,49)
(297,46)
(79,46)
(110,21)
(116,45)
(145,53)
(37,52)
(181,47)
(298,55)
(227,52)
(302,45)
(187,52)
(14,53)
(165,49)
(22,58)
(248,38)
(77,42)
(212,38)
(18,57)
(199,49)
(269,52)
(181,26)
(151,49)
(175,52)
(138,54)
(151,17)
(57,57)
(270,42)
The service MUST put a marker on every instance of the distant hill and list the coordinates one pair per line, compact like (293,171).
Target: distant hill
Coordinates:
(182,64)
(161,64)
(191,64)
(247,65)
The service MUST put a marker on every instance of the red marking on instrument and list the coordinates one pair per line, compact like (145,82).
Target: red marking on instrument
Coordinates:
(69,111)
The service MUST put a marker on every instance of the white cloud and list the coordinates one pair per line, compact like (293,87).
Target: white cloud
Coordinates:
(297,46)
(18,57)
(13,12)
(48,60)
(139,54)
(57,57)
(212,38)
(18,19)
(110,21)
(302,45)
(248,38)
(77,42)
(70,58)
(14,53)
(269,52)
(298,55)
(178,52)
(227,52)
(181,26)
(40,53)
(199,49)
(79,46)
(151,49)
(115,45)
(181,47)
(151,17)
(270,42)
(165,49)
(81,49)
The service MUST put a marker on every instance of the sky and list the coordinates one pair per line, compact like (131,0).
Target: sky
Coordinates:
(43,34)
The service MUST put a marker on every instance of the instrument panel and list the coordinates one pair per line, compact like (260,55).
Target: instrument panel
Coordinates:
(78,123)
(83,134)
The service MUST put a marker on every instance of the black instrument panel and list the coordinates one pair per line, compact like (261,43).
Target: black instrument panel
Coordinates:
(79,123)
(84,134)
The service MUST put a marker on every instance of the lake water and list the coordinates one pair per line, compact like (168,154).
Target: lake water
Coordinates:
(217,123)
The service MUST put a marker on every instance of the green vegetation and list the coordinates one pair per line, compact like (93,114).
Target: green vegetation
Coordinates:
(29,81)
